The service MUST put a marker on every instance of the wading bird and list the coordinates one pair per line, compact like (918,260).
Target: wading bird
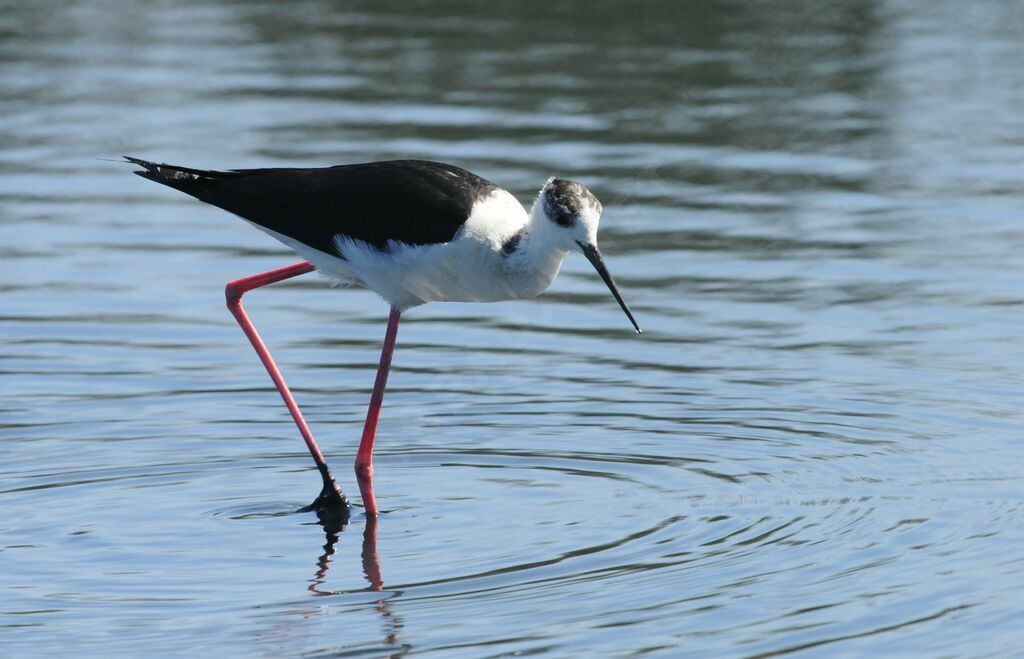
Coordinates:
(413,231)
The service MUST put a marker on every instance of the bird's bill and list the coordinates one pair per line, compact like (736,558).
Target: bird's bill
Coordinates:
(594,256)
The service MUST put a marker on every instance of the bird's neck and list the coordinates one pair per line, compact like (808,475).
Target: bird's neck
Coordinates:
(534,255)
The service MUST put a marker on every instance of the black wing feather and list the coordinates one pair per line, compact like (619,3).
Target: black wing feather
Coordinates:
(415,202)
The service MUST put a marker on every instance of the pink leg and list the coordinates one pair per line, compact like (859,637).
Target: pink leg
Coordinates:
(331,495)
(364,459)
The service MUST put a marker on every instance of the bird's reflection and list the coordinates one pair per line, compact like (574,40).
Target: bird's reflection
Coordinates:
(334,523)
(371,559)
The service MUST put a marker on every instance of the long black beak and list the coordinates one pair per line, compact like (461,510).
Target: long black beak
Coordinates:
(594,256)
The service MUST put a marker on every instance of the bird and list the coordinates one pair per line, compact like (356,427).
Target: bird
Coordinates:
(412,231)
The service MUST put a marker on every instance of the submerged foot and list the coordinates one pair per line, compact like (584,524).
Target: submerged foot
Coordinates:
(330,504)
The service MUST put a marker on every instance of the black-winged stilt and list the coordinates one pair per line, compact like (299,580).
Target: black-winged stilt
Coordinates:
(413,231)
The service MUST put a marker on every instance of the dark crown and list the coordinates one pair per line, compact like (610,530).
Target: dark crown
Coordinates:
(564,200)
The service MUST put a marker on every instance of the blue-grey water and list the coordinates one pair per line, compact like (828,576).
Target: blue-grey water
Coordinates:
(816,210)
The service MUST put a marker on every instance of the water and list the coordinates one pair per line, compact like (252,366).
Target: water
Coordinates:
(814,210)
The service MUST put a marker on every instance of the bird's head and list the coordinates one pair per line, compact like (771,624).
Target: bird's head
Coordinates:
(574,213)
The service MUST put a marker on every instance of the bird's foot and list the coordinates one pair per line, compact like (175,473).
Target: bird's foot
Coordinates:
(330,503)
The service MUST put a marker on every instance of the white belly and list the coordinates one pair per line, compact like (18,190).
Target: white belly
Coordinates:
(463,270)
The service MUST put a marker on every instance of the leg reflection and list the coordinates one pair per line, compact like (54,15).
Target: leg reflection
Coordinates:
(333,524)
(371,560)
(371,570)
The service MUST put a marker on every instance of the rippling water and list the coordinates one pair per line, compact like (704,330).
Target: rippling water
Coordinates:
(815,210)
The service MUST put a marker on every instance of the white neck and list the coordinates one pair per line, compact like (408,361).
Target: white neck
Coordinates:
(537,257)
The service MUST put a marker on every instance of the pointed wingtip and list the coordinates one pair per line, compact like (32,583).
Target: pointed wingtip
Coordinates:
(136,161)
(148,167)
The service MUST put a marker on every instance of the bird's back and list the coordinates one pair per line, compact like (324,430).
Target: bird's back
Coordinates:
(416,202)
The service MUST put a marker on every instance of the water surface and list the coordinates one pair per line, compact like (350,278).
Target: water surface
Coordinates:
(813,209)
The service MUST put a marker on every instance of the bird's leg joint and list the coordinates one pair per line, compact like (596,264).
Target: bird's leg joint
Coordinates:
(364,470)
(233,293)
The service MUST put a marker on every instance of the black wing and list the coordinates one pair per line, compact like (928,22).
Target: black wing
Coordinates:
(411,201)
